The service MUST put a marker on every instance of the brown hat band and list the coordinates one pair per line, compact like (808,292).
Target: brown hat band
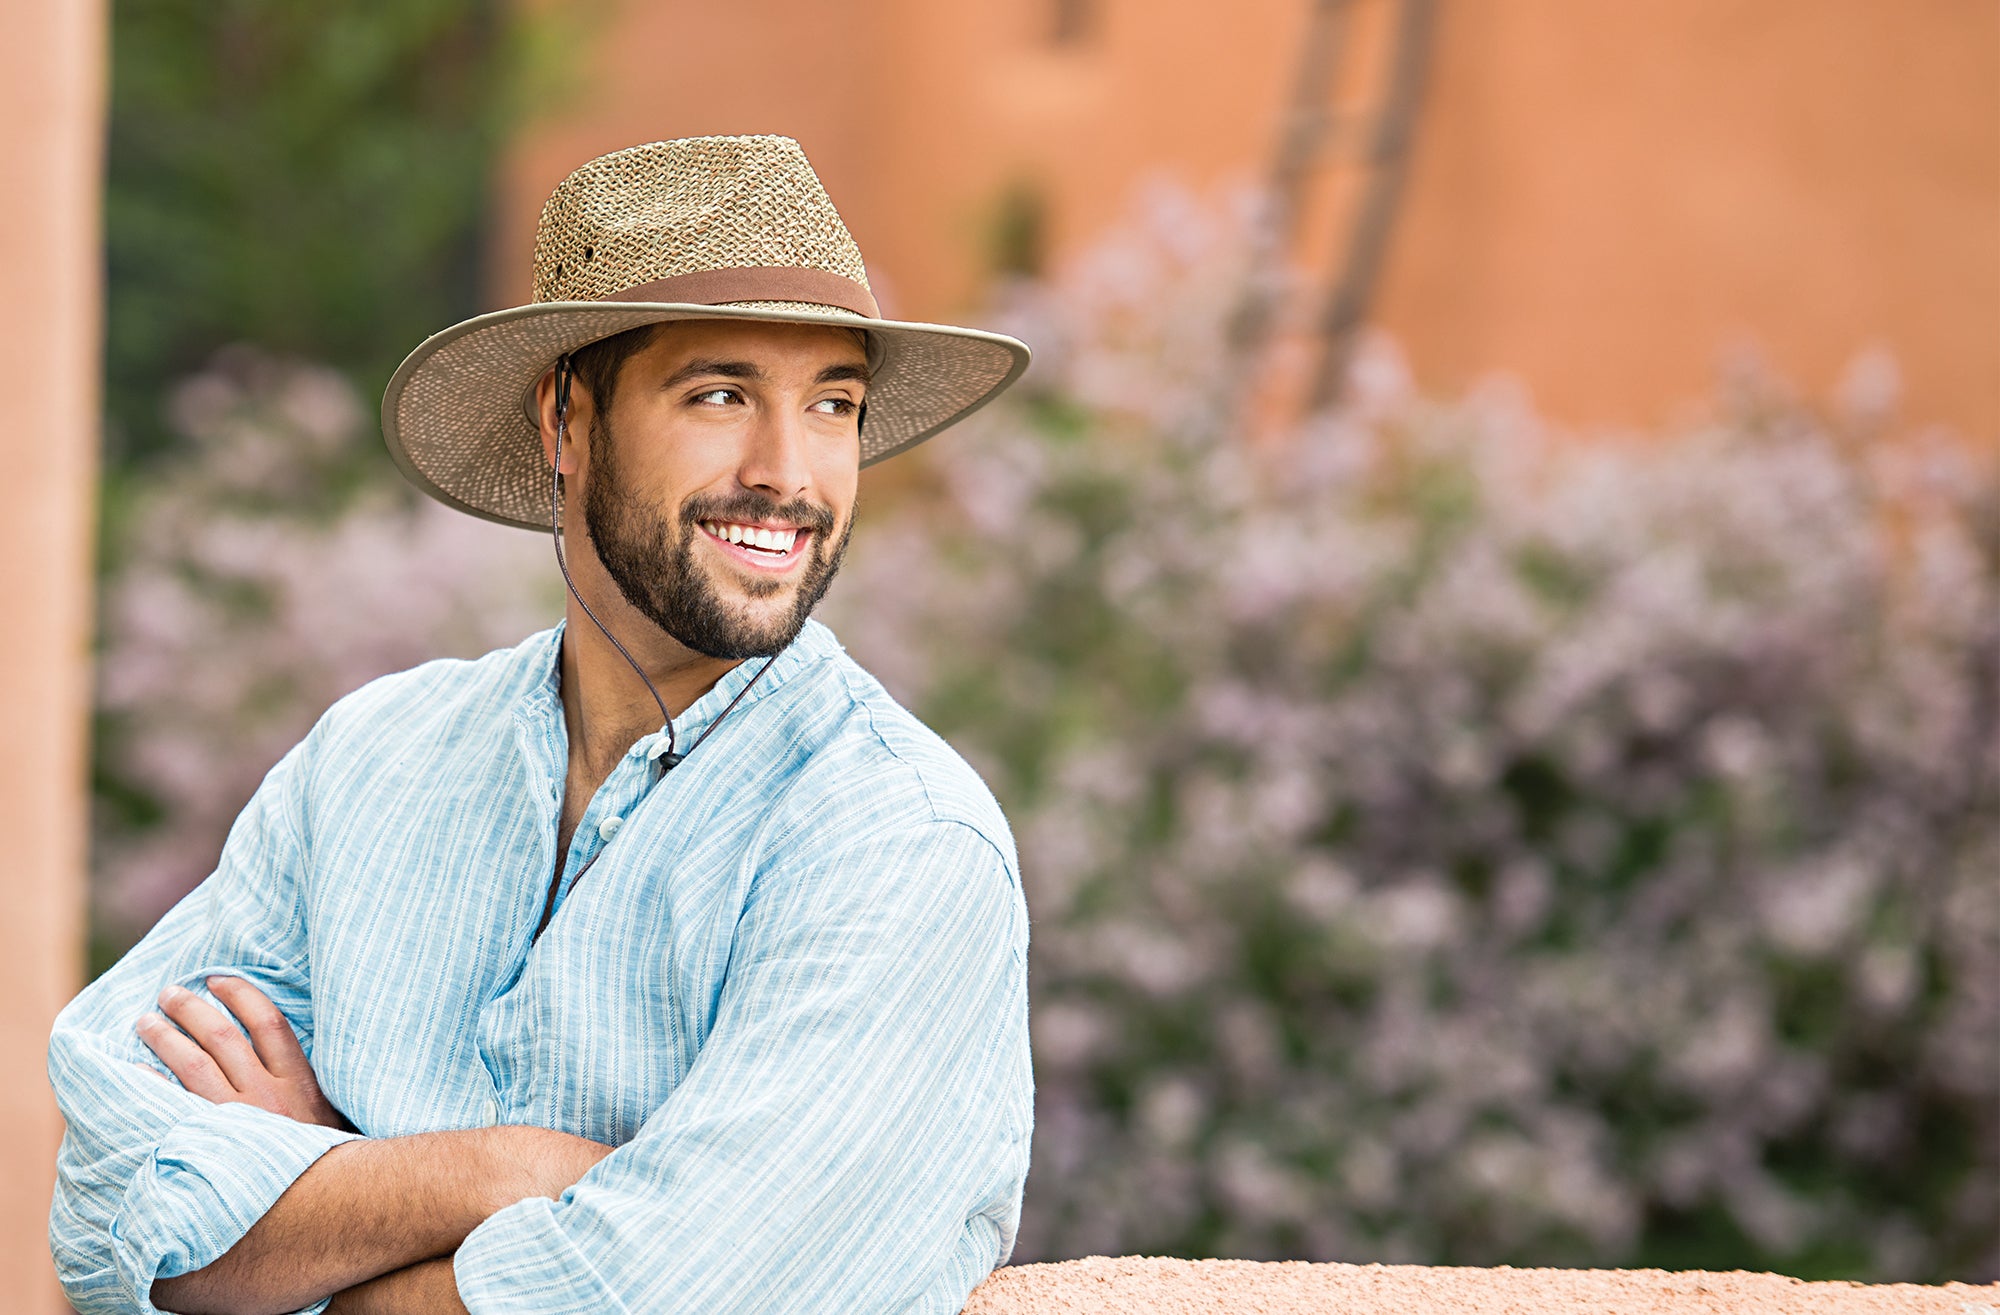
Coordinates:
(715,287)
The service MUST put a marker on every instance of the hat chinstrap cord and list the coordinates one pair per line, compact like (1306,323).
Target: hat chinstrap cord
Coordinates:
(671,759)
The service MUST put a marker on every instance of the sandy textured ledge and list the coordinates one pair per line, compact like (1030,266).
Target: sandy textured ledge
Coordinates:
(1140,1285)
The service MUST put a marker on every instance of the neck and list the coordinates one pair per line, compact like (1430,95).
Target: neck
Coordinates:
(606,706)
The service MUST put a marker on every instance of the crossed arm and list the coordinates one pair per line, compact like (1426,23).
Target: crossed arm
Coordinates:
(867,1051)
(374,1220)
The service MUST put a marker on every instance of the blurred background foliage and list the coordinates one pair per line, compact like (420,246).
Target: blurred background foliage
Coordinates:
(1447,840)
(310,181)
(310,178)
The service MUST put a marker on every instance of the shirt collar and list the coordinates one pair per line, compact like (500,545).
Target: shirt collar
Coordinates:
(814,644)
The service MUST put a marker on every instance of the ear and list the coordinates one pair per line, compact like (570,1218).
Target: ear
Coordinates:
(545,411)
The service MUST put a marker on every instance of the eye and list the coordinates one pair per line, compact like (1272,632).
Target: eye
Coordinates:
(716,397)
(834,406)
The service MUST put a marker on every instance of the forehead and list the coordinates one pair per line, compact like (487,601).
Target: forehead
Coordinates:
(773,346)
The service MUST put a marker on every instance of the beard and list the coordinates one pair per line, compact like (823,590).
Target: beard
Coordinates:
(651,558)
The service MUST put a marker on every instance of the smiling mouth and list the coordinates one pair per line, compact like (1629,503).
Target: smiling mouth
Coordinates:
(759,545)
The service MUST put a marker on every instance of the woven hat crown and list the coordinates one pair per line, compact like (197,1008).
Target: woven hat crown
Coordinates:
(675,208)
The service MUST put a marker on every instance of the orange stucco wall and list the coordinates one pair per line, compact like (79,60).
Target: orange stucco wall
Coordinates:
(51,120)
(1603,196)
(1608,194)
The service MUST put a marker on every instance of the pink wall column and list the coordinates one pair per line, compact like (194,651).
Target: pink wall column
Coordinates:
(52,74)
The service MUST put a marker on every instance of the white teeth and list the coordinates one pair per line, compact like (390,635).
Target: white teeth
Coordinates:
(780,541)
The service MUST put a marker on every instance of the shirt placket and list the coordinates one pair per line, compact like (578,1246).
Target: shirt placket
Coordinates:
(603,818)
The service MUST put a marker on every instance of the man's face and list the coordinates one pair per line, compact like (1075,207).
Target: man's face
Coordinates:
(720,488)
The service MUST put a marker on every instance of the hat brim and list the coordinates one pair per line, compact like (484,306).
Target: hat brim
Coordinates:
(454,421)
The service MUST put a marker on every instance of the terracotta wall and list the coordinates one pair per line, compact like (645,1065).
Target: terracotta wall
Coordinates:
(1603,197)
(1607,194)
(51,120)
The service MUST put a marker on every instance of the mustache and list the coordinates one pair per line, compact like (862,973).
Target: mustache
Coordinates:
(750,507)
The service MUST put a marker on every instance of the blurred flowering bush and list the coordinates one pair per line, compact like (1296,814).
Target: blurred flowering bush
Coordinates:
(253,579)
(1446,843)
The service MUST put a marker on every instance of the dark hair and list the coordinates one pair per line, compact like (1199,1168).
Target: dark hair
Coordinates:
(597,365)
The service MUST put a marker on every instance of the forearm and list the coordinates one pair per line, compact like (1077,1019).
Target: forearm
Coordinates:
(370,1207)
(153,1180)
(362,1209)
(429,1288)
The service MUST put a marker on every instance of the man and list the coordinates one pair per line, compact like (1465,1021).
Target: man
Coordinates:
(661,963)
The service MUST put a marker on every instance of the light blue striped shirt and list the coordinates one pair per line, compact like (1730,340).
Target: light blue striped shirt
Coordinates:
(787,980)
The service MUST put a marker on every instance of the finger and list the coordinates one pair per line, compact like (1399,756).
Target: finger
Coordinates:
(188,1061)
(150,1071)
(214,1033)
(271,1034)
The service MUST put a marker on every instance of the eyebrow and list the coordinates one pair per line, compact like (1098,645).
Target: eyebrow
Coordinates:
(701,369)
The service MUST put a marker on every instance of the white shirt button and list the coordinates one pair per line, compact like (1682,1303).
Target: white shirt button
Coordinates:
(609,827)
(492,1112)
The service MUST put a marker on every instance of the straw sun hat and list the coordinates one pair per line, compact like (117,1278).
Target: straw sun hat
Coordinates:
(704,228)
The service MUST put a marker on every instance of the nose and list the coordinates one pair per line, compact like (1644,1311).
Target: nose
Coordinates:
(775,459)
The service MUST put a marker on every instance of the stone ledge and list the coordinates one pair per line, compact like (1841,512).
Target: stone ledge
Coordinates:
(1145,1285)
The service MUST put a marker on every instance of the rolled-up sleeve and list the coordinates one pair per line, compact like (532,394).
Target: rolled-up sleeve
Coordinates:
(853,1135)
(152,1180)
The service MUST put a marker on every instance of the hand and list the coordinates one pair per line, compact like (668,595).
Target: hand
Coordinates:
(212,1059)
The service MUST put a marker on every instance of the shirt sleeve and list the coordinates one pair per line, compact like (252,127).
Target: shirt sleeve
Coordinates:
(853,1135)
(152,1180)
